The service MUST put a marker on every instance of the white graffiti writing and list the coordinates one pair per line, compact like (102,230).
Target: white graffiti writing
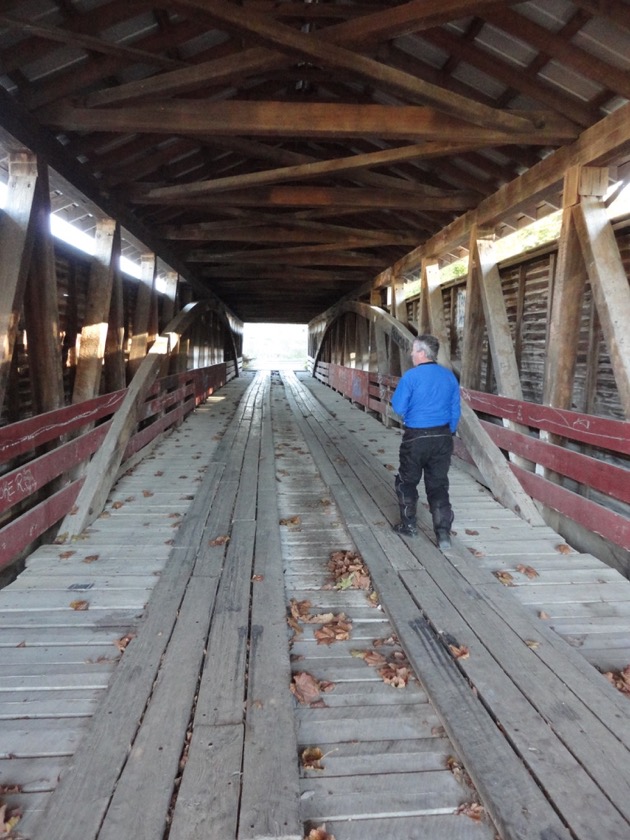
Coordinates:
(19,484)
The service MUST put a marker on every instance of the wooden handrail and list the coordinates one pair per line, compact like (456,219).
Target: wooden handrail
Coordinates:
(613,436)
(30,503)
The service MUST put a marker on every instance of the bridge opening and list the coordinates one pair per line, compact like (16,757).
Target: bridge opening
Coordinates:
(275,346)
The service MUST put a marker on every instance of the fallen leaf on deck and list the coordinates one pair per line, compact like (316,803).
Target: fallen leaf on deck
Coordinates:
(390,467)
(117,505)
(90,558)
(65,554)
(473,810)
(148,493)
(6,789)
(305,688)
(544,615)
(337,630)
(292,520)
(222,540)
(312,758)
(122,643)
(620,679)
(395,675)
(505,578)
(527,570)
(390,640)
(563,548)
(8,821)
(319,834)
(532,643)
(258,578)
(472,533)
(459,651)
(80,605)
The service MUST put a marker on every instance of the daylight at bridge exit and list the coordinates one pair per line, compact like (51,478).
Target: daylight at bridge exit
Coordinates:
(314,420)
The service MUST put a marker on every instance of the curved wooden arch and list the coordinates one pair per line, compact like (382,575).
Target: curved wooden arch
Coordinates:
(384,323)
(102,469)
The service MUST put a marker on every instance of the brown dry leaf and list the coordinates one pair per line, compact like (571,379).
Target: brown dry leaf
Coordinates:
(122,643)
(90,558)
(319,834)
(65,554)
(8,789)
(80,605)
(372,599)
(321,618)
(459,651)
(312,758)
(305,688)
(395,675)
(8,821)
(504,577)
(532,643)
(544,615)
(390,467)
(325,502)
(471,532)
(117,505)
(222,540)
(21,644)
(258,578)
(291,520)
(390,641)
(475,552)
(620,679)
(563,548)
(148,493)
(300,610)
(527,570)
(473,810)
(334,631)
(325,686)
(456,768)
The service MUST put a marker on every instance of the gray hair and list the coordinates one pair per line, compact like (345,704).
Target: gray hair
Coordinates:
(429,344)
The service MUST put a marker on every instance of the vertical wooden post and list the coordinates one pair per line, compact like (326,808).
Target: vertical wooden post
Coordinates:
(472,344)
(609,285)
(87,381)
(16,239)
(41,308)
(566,305)
(424,316)
(142,315)
(114,367)
(169,284)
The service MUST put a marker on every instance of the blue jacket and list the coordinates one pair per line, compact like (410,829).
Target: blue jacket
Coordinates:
(428,395)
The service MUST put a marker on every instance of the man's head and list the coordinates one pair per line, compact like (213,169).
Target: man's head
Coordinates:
(427,345)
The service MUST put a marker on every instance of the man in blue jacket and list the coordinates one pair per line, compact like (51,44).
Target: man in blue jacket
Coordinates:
(427,399)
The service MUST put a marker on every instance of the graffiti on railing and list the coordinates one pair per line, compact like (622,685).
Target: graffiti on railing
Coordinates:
(19,484)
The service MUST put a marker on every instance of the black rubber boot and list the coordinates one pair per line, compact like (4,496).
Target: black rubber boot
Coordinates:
(442,521)
(408,506)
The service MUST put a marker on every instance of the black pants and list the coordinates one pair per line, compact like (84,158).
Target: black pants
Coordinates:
(427,452)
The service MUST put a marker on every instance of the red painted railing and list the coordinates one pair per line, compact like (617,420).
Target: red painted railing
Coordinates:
(41,455)
(588,470)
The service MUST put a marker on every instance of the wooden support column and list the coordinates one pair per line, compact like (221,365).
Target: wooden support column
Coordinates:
(114,367)
(609,285)
(143,315)
(472,344)
(566,305)
(41,308)
(499,334)
(87,381)
(169,285)
(16,240)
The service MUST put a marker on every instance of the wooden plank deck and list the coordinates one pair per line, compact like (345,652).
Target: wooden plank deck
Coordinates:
(192,732)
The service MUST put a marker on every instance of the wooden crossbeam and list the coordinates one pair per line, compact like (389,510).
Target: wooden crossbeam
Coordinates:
(228,232)
(296,119)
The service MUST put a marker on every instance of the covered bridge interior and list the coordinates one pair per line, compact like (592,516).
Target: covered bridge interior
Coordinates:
(372,169)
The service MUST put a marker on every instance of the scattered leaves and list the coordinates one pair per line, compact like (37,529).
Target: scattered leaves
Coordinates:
(390,641)
(21,644)
(472,533)
(475,552)
(90,558)
(312,758)
(394,674)
(459,771)
(390,467)
(563,548)
(459,651)
(122,643)
(65,554)
(473,810)
(532,643)
(222,540)
(147,493)
(325,502)
(504,577)
(258,578)
(117,505)
(544,615)
(80,605)
(337,630)
(620,679)
(529,571)
(370,657)
(291,520)
(349,571)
